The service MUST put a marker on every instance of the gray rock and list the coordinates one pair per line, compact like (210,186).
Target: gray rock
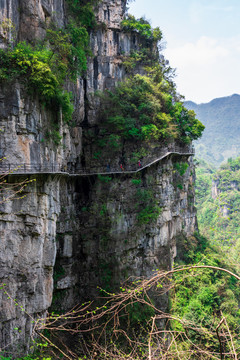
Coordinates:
(87,229)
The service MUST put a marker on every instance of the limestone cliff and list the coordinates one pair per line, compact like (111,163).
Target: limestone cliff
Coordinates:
(83,231)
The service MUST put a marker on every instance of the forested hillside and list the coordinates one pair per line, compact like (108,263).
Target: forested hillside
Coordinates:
(221,118)
(218,204)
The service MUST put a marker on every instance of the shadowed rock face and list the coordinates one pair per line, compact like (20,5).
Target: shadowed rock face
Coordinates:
(84,230)
(109,242)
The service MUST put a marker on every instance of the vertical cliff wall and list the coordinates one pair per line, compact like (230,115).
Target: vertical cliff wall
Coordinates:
(108,239)
(83,231)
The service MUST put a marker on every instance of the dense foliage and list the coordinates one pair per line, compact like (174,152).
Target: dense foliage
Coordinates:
(142,109)
(146,205)
(218,205)
(34,68)
(205,296)
(44,67)
(141,27)
(82,12)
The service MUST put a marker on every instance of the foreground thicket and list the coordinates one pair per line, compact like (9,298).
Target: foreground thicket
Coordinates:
(202,321)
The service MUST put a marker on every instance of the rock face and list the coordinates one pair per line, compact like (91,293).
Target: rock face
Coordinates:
(84,229)
(27,252)
(107,241)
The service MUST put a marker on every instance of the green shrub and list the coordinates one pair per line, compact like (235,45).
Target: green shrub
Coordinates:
(136,181)
(104,179)
(189,128)
(69,50)
(147,207)
(140,109)
(148,214)
(181,167)
(33,68)
(63,54)
(204,296)
(83,12)
(144,56)
(135,156)
(142,27)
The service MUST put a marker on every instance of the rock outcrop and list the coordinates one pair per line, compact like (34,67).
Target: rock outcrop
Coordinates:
(28,253)
(83,231)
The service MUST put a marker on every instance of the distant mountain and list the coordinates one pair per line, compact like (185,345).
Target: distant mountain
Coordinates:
(221,137)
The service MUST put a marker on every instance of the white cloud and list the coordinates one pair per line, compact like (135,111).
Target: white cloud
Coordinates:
(205,51)
(206,69)
(234,44)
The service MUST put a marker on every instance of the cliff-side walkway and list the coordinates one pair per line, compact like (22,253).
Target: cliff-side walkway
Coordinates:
(46,168)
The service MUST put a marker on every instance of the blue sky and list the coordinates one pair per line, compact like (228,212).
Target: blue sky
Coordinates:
(202,40)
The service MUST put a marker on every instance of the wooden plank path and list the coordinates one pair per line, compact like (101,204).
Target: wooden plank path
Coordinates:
(28,169)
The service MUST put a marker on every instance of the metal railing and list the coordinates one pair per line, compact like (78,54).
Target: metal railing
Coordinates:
(25,168)
(38,168)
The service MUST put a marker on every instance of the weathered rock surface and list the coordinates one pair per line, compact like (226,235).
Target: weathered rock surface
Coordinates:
(27,253)
(85,230)
(25,136)
(106,243)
